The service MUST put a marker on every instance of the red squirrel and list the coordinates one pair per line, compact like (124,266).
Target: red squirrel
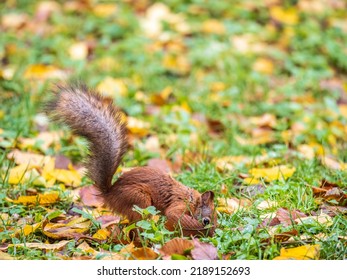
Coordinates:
(90,115)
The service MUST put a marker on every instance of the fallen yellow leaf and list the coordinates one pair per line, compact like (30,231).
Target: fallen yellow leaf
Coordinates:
(28,229)
(42,199)
(102,234)
(112,87)
(104,9)
(86,249)
(70,230)
(306,252)
(162,97)
(43,72)
(176,63)
(264,66)
(280,172)
(138,127)
(213,26)
(284,15)
(69,177)
(23,174)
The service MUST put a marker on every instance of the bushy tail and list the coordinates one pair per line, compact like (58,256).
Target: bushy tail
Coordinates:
(88,114)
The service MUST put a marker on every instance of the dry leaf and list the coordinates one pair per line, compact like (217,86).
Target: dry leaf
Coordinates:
(104,9)
(27,229)
(203,251)
(138,127)
(143,253)
(71,229)
(176,63)
(56,246)
(280,172)
(69,177)
(307,151)
(306,252)
(213,26)
(264,66)
(161,164)
(285,236)
(266,204)
(102,234)
(178,246)
(13,21)
(108,220)
(28,159)
(288,217)
(162,97)
(90,196)
(266,120)
(284,15)
(321,219)
(112,87)
(43,140)
(44,72)
(22,174)
(86,250)
(231,205)
(41,199)
(5,256)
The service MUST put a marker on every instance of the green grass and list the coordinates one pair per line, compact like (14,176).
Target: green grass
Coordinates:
(303,56)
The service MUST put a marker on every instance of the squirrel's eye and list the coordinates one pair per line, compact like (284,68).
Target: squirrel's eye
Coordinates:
(206,221)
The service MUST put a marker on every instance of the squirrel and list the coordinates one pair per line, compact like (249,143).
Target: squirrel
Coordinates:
(88,114)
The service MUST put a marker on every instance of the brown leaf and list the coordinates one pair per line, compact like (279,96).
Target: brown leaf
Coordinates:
(56,246)
(62,162)
(284,236)
(178,246)
(333,210)
(330,191)
(287,217)
(143,253)
(90,196)
(161,164)
(108,220)
(215,126)
(266,120)
(203,251)
(71,229)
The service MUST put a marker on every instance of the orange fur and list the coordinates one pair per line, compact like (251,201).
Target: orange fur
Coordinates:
(89,115)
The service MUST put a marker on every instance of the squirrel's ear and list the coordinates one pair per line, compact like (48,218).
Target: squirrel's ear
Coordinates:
(207,197)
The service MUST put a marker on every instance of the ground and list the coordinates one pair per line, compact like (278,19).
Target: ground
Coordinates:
(245,98)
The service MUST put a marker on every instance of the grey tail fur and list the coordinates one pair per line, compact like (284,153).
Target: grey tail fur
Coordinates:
(90,115)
